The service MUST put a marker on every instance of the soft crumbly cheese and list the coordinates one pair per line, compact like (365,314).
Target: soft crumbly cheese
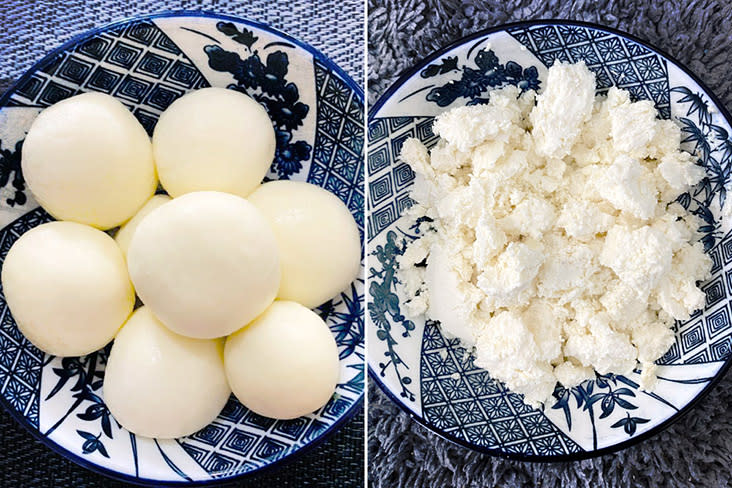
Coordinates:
(550,245)
(562,109)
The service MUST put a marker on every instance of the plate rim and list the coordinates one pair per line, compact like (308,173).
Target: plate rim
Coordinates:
(109,472)
(390,91)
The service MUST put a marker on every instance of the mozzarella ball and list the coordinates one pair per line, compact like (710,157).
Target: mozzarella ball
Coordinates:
(67,287)
(318,240)
(205,263)
(284,364)
(125,233)
(213,139)
(88,160)
(160,384)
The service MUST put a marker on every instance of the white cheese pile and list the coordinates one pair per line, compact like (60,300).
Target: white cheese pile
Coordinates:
(552,247)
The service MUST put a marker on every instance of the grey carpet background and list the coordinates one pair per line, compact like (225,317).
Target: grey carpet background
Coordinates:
(697,450)
(32,28)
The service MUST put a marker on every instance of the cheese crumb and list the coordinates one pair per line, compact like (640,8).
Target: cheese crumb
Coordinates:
(551,246)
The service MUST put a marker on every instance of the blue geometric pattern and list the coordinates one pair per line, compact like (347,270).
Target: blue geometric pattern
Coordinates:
(20,361)
(337,162)
(240,438)
(706,337)
(462,400)
(616,61)
(136,63)
(389,180)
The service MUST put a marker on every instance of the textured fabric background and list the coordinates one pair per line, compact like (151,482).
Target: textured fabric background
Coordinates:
(696,451)
(32,28)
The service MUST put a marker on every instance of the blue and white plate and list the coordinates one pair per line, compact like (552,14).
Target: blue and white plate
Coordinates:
(146,63)
(433,378)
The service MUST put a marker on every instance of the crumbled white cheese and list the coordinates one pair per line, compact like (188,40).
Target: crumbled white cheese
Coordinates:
(648,379)
(599,345)
(640,257)
(570,374)
(509,349)
(627,186)
(550,246)
(562,109)
(632,125)
(413,278)
(583,219)
(513,272)
(677,171)
(452,301)
(464,127)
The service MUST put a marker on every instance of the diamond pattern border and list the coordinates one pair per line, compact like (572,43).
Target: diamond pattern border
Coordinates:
(20,361)
(136,63)
(390,181)
(337,162)
(240,440)
(706,337)
(616,61)
(462,400)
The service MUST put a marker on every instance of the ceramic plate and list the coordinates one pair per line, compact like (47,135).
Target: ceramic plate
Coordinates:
(147,63)
(433,378)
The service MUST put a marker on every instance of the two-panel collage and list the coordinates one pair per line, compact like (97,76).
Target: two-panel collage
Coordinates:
(365,243)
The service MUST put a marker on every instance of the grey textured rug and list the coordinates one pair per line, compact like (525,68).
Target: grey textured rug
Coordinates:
(697,450)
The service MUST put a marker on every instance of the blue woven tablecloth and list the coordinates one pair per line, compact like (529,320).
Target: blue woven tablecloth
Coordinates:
(30,29)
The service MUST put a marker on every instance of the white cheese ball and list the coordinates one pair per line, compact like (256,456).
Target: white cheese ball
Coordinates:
(160,384)
(284,364)
(125,233)
(88,160)
(67,287)
(205,263)
(317,238)
(213,139)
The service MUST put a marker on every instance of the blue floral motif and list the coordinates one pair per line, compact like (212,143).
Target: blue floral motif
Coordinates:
(244,36)
(87,380)
(288,157)
(713,147)
(266,82)
(347,326)
(97,410)
(474,84)
(356,383)
(629,423)
(10,167)
(384,308)
(92,443)
(586,396)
